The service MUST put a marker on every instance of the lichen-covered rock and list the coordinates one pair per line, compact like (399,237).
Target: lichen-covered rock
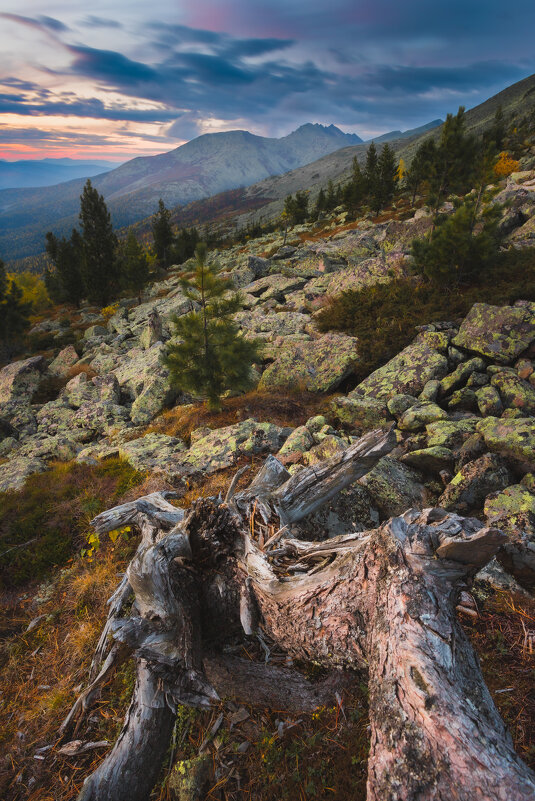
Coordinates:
(95,331)
(360,412)
(489,402)
(394,487)
(464,398)
(450,433)
(429,460)
(420,415)
(152,332)
(511,438)
(100,418)
(460,375)
(221,447)
(515,392)
(257,323)
(398,404)
(138,367)
(64,361)
(190,779)
(157,394)
(19,380)
(14,472)
(274,287)
(470,486)
(407,373)
(319,365)
(61,447)
(477,380)
(501,333)
(513,511)
(430,391)
(316,423)
(329,446)
(154,453)
(299,441)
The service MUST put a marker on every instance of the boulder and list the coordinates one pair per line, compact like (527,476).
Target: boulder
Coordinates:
(450,433)
(464,398)
(14,472)
(329,446)
(318,365)
(153,331)
(420,415)
(394,487)
(155,453)
(489,402)
(515,392)
(64,361)
(460,375)
(513,511)
(470,486)
(299,441)
(514,438)
(360,412)
(429,460)
(95,332)
(19,381)
(406,373)
(398,404)
(500,333)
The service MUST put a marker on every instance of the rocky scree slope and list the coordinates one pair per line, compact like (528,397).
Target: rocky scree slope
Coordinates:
(461,396)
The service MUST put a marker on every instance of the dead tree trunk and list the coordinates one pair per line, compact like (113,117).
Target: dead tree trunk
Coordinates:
(382,600)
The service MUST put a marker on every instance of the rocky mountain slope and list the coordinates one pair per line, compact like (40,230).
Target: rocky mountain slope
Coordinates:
(202,167)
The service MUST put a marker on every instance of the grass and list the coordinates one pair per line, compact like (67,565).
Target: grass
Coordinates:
(42,524)
(384,317)
(283,409)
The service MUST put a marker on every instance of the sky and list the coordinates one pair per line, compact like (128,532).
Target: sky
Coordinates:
(115,79)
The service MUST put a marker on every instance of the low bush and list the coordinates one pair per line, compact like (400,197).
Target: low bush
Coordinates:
(384,317)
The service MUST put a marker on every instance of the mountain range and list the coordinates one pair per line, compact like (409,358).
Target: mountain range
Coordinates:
(47,172)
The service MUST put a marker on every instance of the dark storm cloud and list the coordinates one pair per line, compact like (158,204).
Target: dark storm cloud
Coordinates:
(53,24)
(99,22)
(111,66)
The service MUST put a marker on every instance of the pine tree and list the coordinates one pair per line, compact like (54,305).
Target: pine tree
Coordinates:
(100,269)
(319,208)
(386,178)
(296,208)
(162,233)
(331,197)
(134,265)
(371,174)
(457,254)
(422,167)
(65,284)
(212,356)
(14,315)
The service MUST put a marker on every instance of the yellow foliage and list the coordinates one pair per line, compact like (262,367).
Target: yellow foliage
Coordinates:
(401,170)
(505,165)
(33,290)
(109,311)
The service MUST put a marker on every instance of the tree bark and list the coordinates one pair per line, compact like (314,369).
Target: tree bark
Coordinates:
(383,601)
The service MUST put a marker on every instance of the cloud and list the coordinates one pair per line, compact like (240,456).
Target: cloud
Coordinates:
(187,126)
(110,65)
(99,22)
(53,24)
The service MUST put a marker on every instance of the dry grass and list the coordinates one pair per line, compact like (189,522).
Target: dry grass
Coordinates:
(283,409)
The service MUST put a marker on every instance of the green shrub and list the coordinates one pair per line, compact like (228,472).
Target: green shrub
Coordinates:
(384,317)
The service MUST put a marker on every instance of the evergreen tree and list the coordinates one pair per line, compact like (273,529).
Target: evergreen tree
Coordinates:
(422,167)
(355,190)
(455,159)
(162,233)
(134,265)
(183,247)
(100,269)
(457,254)
(386,178)
(296,208)
(331,199)
(212,356)
(371,174)
(14,315)
(65,284)
(319,208)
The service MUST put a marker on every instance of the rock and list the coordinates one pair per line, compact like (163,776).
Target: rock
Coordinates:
(464,398)
(420,415)
(107,388)
(275,324)
(460,375)
(221,447)
(470,486)
(259,267)
(510,438)
(515,392)
(64,361)
(95,331)
(61,447)
(154,453)
(398,404)
(284,252)
(430,391)
(394,487)
(119,322)
(406,373)
(19,381)
(315,424)
(489,402)
(274,286)
(501,333)
(429,460)
(524,368)
(513,511)
(319,365)
(157,395)
(477,380)
(360,412)
(470,450)
(13,473)
(329,446)
(299,441)
(78,390)
(153,331)
(450,433)
(100,418)
(7,445)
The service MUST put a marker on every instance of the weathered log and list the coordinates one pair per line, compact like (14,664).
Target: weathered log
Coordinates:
(383,601)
